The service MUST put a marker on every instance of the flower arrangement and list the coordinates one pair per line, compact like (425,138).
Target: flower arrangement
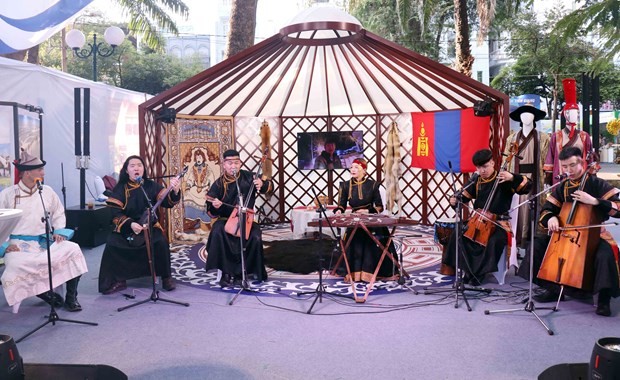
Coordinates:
(613,127)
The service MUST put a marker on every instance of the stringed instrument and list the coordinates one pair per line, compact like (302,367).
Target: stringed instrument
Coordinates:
(569,258)
(138,240)
(482,224)
(232,225)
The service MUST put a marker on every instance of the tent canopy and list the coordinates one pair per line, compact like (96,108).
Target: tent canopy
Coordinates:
(324,64)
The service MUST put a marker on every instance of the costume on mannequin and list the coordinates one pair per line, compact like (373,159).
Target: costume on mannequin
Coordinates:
(568,136)
(529,160)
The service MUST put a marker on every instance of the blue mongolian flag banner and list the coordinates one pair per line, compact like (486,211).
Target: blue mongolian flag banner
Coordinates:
(439,137)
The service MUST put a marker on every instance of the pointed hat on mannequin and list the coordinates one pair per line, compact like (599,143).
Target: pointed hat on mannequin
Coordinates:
(570,94)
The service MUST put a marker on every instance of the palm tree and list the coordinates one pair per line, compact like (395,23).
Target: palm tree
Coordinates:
(602,17)
(146,19)
(242,26)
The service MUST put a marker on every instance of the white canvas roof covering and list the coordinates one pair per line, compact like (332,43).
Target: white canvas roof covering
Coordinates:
(324,64)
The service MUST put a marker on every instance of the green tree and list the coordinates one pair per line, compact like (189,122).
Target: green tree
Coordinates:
(601,17)
(542,59)
(153,73)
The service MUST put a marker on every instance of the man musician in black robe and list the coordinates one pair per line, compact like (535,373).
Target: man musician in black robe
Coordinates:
(475,259)
(223,249)
(604,198)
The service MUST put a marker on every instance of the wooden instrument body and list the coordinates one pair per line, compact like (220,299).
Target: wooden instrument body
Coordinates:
(233,227)
(480,227)
(569,258)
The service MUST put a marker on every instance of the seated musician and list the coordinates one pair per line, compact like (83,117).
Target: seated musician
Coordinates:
(362,194)
(477,260)
(125,255)
(223,249)
(606,202)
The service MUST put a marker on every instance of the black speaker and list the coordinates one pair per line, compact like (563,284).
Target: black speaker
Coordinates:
(72,372)
(11,366)
(483,107)
(566,371)
(605,361)
(92,226)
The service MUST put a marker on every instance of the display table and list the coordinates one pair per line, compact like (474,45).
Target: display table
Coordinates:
(91,226)
(302,215)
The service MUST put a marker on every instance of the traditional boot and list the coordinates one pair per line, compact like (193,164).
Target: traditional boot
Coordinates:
(71,302)
(602,307)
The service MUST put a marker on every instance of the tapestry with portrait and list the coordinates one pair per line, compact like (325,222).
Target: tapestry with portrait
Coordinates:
(196,142)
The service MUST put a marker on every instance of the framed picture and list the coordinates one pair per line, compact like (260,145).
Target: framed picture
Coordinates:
(198,143)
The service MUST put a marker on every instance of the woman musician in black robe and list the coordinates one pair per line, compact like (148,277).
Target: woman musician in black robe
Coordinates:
(476,260)
(123,258)
(362,194)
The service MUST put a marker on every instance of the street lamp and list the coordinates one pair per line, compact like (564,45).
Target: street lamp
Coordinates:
(75,40)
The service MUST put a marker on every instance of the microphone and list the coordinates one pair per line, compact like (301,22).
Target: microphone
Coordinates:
(139,180)
(474,177)
(561,177)
(39,183)
(234,172)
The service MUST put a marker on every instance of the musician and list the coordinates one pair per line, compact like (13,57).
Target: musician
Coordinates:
(475,259)
(125,255)
(25,258)
(362,194)
(328,159)
(223,249)
(606,202)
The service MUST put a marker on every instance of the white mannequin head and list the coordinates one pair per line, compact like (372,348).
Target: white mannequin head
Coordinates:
(527,123)
(572,116)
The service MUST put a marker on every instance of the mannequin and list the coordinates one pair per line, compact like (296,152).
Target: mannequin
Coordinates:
(529,160)
(568,136)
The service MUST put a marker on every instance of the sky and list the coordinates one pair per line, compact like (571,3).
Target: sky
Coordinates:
(203,14)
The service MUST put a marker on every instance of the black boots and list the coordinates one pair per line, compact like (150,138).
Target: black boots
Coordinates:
(602,307)
(52,298)
(71,302)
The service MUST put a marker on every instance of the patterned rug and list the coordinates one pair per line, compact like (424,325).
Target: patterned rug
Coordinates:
(421,259)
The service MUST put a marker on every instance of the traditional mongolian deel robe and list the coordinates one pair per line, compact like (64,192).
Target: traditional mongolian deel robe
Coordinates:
(561,140)
(529,161)
(122,259)
(476,259)
(224,249)
(26,272)
(363,254)
(606,272)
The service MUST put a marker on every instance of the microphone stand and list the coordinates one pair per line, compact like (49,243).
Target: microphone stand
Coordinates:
(150,249)
(459,285)
(53,315)
(321,288)
(530,307)
(63,189)
(242,210)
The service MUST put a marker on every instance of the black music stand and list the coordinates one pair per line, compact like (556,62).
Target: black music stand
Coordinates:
(150,249)
(321,288)
(53,315)
(459,287)
(530,307)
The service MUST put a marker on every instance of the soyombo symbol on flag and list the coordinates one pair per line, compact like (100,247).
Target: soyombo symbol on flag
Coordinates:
(439,137)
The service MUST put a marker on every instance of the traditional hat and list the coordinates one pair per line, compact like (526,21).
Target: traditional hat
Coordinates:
(28,162)
(570,94)
(538,114)
(230,153)
(361,162)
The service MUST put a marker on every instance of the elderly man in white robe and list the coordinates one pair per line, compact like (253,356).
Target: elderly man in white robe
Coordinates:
(26,271)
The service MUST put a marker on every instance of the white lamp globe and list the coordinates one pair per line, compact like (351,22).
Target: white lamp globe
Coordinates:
(114,35)
(75,39)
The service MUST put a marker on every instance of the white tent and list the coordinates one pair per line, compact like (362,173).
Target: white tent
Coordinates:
(113,131)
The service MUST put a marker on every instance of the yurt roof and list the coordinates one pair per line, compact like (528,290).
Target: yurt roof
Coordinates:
(323,64)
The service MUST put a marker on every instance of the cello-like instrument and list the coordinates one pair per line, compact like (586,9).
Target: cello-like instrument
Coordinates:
(569,258)
(482,224)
